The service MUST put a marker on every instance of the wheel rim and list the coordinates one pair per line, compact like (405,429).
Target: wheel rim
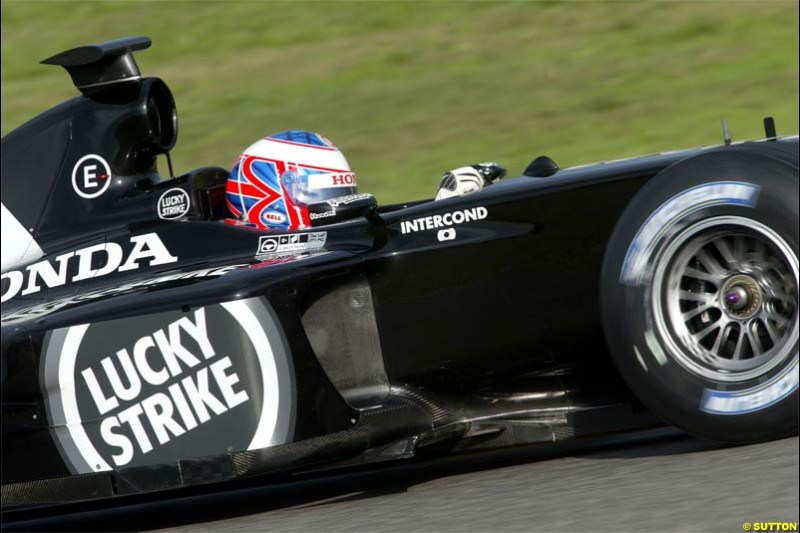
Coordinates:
(725,298)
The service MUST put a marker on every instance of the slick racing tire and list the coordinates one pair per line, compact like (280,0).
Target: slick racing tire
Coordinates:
(699,293)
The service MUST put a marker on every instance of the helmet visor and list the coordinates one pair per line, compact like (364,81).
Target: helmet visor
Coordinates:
(307,186)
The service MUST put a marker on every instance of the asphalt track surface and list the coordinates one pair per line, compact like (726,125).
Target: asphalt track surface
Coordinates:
(655,481)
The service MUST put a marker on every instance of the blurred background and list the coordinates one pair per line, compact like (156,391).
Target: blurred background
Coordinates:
(411,89)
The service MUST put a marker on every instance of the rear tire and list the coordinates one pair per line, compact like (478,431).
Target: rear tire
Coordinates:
(699,293)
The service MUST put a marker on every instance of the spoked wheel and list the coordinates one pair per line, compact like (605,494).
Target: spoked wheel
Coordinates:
(727,301)
(700,293)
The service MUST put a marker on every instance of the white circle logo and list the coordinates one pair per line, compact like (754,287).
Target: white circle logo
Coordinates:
(267,245)
(91,176)
(173,204)
(155,389)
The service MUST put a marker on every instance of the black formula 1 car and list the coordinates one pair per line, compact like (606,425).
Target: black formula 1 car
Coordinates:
(149,346)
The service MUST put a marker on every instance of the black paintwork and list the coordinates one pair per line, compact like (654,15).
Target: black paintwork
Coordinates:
(116,123)
(541,167)
(101,64)
(490,339)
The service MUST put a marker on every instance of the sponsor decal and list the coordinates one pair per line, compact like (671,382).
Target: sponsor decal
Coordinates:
(158,388)
(753,399)
(349,199)
(439,221)
(446,234)
(273,217)
(87,263)
(173,204)
(317,216)
(680,206)
(270,247)
(91,176)
(331,180)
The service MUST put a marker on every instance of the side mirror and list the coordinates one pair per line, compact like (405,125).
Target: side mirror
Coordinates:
(341,209)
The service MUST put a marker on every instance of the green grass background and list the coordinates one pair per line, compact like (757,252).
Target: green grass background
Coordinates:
(409,89)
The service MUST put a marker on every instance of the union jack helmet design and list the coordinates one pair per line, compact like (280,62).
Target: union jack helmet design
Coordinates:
(274,180)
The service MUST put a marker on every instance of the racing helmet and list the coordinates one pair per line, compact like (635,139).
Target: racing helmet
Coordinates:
(275,179)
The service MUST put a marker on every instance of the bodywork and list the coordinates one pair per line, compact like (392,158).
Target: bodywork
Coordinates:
(142,353)
(391,339)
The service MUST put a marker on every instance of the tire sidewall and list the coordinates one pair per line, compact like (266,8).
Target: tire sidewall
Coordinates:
(663,383)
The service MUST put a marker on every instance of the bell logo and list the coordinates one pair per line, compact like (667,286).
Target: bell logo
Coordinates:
(274,217)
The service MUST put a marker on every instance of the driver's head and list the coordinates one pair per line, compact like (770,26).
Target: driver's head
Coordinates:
(274,180)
